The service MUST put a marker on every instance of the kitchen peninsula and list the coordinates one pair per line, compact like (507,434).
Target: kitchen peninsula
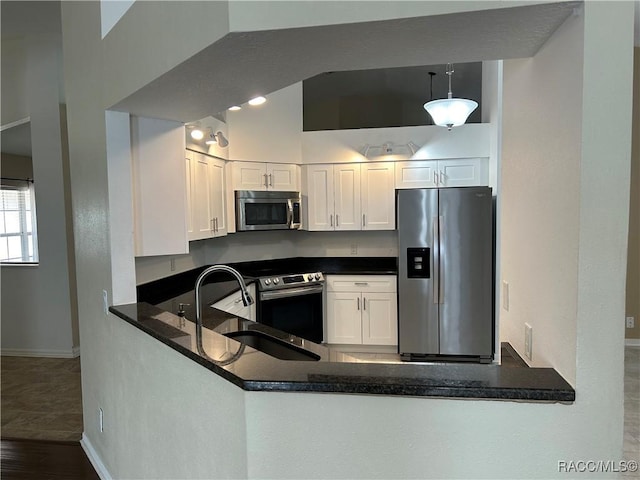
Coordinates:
(253,370)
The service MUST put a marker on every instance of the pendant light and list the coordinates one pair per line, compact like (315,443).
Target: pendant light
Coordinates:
(450,112)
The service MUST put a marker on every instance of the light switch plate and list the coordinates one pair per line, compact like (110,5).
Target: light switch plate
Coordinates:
(528,341)
(505,295)
(630,322)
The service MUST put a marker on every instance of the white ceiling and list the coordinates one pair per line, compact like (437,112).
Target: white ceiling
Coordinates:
(242,65)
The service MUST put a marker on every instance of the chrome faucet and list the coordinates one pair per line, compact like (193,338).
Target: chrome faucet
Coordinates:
(246,297)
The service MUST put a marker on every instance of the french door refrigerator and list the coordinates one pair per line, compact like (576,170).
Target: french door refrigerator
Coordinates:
(445,274)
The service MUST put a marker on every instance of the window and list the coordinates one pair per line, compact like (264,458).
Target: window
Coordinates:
(18,240)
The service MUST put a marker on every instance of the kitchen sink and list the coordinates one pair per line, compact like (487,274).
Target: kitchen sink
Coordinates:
(272,346)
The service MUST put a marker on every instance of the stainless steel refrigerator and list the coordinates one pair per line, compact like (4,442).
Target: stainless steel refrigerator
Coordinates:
(445,277)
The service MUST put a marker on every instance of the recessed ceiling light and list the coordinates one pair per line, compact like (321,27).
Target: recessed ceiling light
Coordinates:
(235,108)
(257,101)
(197,134)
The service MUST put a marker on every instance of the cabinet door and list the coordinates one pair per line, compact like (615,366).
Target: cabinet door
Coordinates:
(347,197)
(249,176)
(282,177)
(462,172)
(319,201)
(159,196)
(217,196)
(233,304)
(379,319)
(416,174)
(200,198)
(378,196)
(344,324)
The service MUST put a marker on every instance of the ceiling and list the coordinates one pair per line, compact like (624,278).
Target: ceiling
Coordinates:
(17,140)
(243,65)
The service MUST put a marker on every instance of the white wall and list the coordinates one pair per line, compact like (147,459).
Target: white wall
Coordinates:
(269,132)
(111,11)
(423,437)
(330,146)
(38,311)
(14,72)
(249,246)
(541,198)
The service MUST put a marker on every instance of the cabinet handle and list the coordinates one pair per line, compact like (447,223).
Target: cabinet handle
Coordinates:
(364,303)
(358,299)
(331,219)
(443,177)
(216,224)
(363,220)
(265,180)
(361,284)
(270,181)
(212,226)
(435,177)
(337,220)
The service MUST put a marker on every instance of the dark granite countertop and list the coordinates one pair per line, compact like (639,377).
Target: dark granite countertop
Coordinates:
(170,287)
(335,372)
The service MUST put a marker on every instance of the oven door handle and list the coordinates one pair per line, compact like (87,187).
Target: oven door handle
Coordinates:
(291,292)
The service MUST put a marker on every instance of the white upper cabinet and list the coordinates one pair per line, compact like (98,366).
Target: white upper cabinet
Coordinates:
(319,198)
(464,172)
(160,198)
(206,188)
(378,196)
(265,176)
(350,197)
(347,196)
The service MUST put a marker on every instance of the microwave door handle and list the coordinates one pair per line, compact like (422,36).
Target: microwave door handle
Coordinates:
(289,213)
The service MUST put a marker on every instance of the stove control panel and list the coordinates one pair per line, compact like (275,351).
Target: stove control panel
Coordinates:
(289,281)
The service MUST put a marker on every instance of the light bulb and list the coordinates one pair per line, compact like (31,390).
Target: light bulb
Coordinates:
(257,101)
(234,108)
(197,134)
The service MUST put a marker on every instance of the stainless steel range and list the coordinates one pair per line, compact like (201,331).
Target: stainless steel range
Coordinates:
(293,303)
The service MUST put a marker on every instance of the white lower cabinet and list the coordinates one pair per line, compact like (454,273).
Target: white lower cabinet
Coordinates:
(362,310)
(233,304)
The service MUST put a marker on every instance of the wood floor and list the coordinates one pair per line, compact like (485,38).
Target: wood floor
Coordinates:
(44,460)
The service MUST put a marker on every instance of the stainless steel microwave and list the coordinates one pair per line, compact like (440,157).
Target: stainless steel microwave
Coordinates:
(256,210)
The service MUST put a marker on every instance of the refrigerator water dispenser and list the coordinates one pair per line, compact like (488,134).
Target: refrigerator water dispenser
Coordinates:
(418,262)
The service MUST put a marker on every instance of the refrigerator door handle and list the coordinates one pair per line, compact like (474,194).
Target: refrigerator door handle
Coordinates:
(441,232)
(436,261)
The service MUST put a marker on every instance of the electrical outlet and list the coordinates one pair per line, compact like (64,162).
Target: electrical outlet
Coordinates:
(505,295)
(101,420)
(354,249)
(105,302)
(631,322)
(528,341)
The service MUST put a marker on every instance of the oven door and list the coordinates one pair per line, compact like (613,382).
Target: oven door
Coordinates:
(296,310)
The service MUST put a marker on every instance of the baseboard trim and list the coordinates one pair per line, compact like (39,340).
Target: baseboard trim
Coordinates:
(632,342)
(27,352)
(94,458)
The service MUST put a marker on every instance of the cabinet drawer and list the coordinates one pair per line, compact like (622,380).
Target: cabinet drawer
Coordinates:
(361,283)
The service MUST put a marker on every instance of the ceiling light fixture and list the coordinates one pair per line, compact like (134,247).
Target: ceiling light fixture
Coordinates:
(450,112)
(234,108)
(216,138)
(257,101)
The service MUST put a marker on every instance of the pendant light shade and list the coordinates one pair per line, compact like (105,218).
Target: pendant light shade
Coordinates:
(450,112)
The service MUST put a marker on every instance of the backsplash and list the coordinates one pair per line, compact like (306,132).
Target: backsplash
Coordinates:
(247,246)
